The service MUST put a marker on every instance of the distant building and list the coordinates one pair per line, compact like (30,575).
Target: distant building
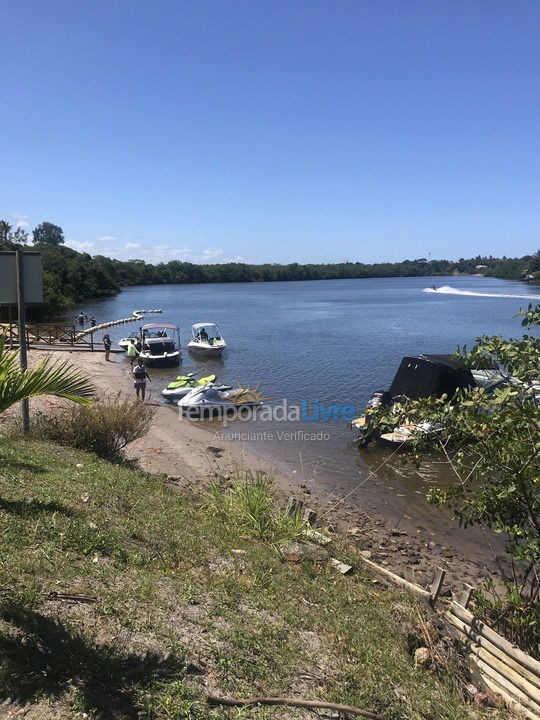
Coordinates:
(481,267)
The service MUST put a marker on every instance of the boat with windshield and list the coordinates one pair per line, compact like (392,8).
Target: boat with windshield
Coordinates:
(160,345)
(207,340)
(134,337)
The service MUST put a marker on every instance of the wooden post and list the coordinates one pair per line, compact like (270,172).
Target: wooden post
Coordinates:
(294,506)
(310,516)
(465,595)
(437,583)
(23,360)
(92,341)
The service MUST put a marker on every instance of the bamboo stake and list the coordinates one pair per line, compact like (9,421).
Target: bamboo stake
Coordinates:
(396,579)
(464,629)
(516,684)
(509,700)
(477,652)
(479,627)
(506,686)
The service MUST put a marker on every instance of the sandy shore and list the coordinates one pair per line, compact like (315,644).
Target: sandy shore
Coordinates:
(173,446)
(189,454)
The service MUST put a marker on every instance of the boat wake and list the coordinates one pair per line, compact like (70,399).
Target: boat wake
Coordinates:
(448,290)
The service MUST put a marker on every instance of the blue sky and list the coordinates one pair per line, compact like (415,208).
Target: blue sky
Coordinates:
(275,131)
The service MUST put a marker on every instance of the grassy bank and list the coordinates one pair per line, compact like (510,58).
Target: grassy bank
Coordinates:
(192,597)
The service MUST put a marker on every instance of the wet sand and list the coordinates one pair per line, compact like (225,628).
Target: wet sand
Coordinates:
(189,454)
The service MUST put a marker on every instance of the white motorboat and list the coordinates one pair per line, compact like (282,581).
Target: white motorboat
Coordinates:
(218,399)
(207,340)
(134,337)
(160,345)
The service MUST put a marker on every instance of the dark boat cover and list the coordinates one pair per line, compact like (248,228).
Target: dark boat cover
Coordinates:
(430,375)
(159,346)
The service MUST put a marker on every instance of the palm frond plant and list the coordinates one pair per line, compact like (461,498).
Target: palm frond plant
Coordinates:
(57,378)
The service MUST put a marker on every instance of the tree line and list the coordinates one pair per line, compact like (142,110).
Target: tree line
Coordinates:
(70,276)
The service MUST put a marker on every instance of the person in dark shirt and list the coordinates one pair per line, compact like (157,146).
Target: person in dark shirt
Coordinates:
(140,375)
(107,345)
(203,335)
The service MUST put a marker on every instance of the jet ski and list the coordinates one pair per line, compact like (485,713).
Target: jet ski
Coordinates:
(184,384)
(215,399)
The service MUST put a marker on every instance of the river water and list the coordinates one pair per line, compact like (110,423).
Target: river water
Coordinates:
(332,342)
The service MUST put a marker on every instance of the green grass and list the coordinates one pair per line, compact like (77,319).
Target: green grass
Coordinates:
(180,611)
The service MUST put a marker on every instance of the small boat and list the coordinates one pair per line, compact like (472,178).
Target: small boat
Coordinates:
(160,345)
(217,399)
(184,384)
(421,377)
(207,340)
(134,337)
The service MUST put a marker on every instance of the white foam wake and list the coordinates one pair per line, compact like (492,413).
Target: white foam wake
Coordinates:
(448,290)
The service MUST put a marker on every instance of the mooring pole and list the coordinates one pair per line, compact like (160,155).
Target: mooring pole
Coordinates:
(25,408)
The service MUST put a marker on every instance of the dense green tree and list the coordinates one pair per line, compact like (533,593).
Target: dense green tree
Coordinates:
(5,229)
(12,239)
(534,263)
(49,234)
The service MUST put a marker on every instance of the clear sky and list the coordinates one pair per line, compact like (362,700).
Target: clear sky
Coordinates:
(274,130)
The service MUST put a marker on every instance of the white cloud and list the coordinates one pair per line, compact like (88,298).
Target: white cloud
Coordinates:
(21,221)
(125,249)
(84,246)
(211,253)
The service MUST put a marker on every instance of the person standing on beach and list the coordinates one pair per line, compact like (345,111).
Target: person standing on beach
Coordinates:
(107,345)
(132,353)
(140,374)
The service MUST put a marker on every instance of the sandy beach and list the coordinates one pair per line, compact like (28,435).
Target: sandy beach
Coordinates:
(189,454)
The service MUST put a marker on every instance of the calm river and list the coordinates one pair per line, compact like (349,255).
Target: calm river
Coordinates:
(335,342)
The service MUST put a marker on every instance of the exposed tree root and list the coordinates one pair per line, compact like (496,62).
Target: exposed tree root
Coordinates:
(293,702)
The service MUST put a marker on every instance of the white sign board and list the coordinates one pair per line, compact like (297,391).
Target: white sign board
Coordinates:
(32,273)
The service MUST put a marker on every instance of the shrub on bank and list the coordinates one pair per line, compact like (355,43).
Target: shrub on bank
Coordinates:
(105,428)
(247,504)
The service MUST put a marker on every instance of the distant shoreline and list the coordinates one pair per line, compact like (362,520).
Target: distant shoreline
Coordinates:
(72,277)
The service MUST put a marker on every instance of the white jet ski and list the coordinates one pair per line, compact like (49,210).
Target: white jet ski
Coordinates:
(217,399)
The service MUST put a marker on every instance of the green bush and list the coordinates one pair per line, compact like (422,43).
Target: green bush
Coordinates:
(510,611)
(248,505)
(105,428)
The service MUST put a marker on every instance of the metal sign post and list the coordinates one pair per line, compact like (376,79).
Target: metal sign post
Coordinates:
(21,284)
(23,360)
